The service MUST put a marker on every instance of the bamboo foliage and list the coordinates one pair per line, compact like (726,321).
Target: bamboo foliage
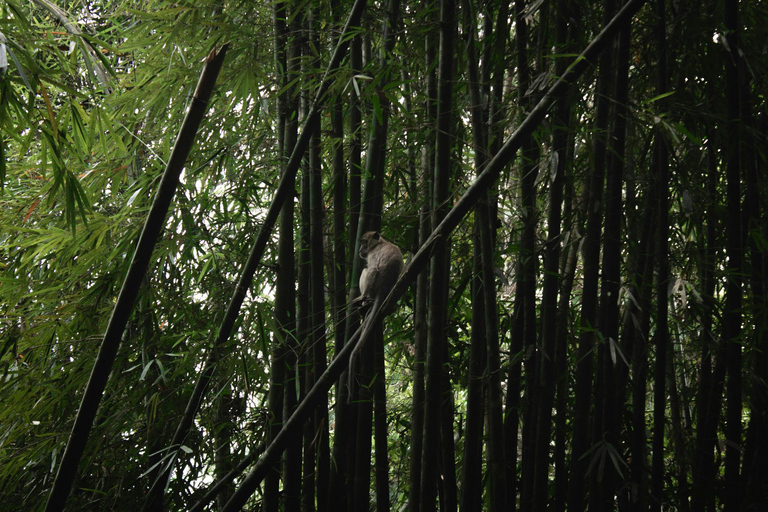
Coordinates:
(580,320)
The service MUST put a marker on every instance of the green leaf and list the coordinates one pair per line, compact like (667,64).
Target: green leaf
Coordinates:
(660,97)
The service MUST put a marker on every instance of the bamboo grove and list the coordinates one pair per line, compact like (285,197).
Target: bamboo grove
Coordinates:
(579,189)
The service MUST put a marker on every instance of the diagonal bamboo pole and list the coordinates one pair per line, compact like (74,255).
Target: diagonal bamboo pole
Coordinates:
(417,263)
(284,191)
(153,226)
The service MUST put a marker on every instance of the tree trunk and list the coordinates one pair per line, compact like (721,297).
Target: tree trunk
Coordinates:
(682,490)
(547,377)
(285,312)
(437,397)
(529,154)
(422,290)
(755,474)
(591,256)
(295,480)
(292,459)
(734,247)
(340,235)
(486,208)
(562,145)
(344,414)
(661,166)
(419,357)
(712,381)
(635,332)
(370,219)
(380,429)
(320,434)
(612,365)
(471,474)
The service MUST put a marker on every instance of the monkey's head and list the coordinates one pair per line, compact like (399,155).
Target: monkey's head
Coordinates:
(368,241)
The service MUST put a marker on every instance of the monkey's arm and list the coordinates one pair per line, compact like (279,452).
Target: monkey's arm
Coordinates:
(364,281)
(366,285)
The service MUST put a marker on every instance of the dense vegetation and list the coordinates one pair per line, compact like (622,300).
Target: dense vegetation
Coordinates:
(585,328)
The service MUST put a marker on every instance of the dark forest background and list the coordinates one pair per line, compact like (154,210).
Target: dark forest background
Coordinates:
(582,321)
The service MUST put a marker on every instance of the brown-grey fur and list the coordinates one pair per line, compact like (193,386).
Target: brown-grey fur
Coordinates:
(384,264)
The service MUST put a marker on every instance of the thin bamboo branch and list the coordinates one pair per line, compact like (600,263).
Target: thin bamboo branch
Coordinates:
(94,64)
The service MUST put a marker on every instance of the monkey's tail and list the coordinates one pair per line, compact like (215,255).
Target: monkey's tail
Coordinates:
(354,357)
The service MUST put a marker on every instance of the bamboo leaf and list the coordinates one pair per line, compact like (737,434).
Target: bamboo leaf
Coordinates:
(660,97)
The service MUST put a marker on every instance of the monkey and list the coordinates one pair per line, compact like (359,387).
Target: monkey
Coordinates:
(384,264)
